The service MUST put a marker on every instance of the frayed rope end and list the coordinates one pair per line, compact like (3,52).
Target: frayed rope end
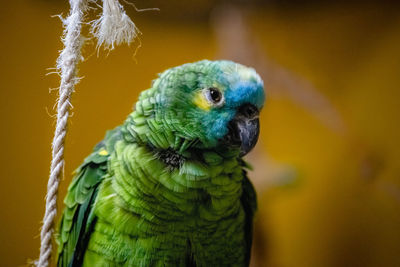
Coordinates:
(114,27)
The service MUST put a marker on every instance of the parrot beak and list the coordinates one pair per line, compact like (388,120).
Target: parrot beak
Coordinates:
(248,131)
(244,129)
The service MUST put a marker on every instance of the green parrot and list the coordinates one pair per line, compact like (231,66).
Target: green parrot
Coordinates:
(168,187)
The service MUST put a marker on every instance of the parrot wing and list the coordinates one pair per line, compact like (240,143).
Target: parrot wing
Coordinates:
(78,218)
(249,203)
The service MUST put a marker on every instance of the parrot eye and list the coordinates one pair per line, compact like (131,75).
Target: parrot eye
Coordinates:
(214,95)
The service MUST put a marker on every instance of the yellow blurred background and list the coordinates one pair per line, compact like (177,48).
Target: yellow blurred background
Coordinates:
(327,167)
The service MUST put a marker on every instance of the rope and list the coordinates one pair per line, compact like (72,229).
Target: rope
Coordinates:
(114,26)
(67,64)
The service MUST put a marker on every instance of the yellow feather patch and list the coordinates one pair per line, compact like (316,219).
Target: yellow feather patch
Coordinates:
(200,101)
(103,152)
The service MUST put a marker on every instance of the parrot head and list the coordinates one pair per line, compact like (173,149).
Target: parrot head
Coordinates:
(216,103)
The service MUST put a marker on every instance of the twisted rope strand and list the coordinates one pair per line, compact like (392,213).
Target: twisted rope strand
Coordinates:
(67,64)
(113,27)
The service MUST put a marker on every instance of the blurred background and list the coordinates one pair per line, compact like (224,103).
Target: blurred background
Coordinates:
(327,167)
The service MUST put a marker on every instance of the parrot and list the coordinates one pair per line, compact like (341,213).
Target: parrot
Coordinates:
(169,186)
